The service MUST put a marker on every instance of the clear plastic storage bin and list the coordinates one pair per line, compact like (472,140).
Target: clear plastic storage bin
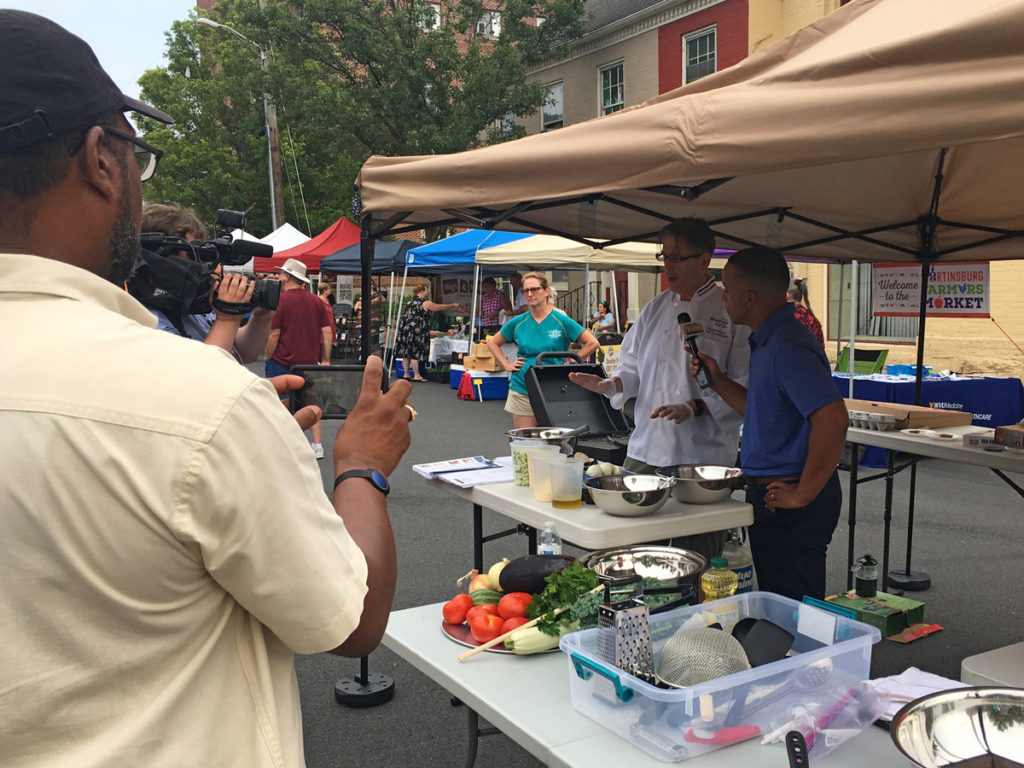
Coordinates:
(830,656)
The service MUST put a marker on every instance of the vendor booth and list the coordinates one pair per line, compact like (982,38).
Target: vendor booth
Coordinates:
(340,234)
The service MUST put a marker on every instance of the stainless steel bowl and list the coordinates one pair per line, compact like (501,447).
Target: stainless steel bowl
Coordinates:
(702,483)
(564,437)
(669,564)
(962,727)
(629,495)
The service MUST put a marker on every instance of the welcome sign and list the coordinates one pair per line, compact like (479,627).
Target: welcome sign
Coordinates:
(955,289)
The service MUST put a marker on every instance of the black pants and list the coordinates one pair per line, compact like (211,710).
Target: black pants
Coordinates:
(789,545)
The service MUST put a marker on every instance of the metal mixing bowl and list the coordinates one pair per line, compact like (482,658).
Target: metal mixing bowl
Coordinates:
(965,726)
(629,495)
(702,483)
(564,437)
(668,564)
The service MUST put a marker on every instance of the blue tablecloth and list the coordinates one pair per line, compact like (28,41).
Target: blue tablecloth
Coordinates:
(993,401)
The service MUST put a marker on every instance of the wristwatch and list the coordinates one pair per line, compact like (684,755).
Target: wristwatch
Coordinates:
(377,479)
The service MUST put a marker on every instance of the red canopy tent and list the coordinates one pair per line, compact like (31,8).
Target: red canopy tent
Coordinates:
(340,234)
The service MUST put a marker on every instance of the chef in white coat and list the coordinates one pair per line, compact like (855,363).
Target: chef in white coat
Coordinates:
(676,421)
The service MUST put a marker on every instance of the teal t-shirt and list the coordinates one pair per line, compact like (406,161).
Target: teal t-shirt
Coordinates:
(553,334)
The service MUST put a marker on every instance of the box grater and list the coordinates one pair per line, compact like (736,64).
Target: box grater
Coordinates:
(624,629)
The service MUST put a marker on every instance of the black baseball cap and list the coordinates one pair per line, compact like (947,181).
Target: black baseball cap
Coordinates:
(51,83)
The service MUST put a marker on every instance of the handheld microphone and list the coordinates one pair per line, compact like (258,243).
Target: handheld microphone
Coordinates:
(688,332)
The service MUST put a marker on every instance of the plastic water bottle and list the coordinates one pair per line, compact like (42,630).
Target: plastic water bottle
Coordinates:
(719,581)
(549,542)
(740,561)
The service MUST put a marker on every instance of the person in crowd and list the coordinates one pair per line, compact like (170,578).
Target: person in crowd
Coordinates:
(168,546)
(542,329)
(413,340)
(802,311)
(676,421)
(327,297)
(603,320)
(490,305)
(219,329)
(519,305)
(794,427)
(300,332)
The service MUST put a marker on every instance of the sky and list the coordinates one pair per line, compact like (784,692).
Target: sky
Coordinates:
(127,36)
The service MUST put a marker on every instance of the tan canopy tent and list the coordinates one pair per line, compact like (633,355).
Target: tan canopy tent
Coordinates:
(554,252)
(886,131)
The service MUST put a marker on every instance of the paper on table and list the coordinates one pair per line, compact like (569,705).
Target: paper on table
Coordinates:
(478,477)
(436,468)
(910,684)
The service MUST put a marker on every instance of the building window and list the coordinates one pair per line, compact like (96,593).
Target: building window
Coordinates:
(432,16)
(700,54)
(613,90)
(869,327)
(489,24)
(507,124)
(553,111)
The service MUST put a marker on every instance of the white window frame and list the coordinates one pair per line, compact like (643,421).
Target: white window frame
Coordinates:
(436,8)
(693,37)
(546,125)
(489,24)
(607,108)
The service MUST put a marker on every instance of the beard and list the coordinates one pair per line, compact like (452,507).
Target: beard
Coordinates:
(124,243)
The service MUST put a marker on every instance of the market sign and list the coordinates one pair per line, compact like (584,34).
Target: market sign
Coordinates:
(955,289)
(457,290)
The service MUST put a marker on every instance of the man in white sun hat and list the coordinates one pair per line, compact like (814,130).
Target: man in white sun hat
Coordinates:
(300,331)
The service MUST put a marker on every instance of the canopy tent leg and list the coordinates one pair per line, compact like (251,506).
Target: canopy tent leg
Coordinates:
(854,277)
(615,303)
(367,241)
(472,307)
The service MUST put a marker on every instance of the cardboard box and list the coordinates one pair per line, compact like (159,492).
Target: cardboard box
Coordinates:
(890,613)
(472,363)
(1012,436)
(912,415)
(480,349)
(982,439)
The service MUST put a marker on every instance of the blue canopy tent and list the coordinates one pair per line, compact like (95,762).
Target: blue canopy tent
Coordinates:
(388,256)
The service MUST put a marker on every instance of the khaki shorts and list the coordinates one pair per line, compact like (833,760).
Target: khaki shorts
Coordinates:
(518,404)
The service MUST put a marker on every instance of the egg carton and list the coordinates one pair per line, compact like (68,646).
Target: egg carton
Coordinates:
(879,422)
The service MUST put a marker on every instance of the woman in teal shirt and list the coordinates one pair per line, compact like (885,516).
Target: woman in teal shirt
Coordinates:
(543,329)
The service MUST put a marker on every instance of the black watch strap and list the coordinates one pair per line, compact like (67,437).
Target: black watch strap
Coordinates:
(699,407)
(375,478)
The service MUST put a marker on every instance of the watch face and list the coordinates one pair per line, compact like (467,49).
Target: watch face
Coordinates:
(379,480)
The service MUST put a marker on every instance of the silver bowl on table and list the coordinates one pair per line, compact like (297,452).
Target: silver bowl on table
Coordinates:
(564,437)
(629,495)
(668,564)
(963,727)
(702,483)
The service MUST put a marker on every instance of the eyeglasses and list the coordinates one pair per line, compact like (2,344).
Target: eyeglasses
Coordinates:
(532,290)
(146,155)
(675,258)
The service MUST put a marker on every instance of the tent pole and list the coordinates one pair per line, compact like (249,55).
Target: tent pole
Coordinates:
(853,320)
(587,311)
(839,311)
(615,301)
(921,317)
(367,241)
(405,274)
(472,307)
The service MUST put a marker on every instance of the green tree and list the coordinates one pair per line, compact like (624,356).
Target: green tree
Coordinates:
(350,78)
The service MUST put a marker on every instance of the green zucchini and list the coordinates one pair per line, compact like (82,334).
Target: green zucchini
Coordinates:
(481,596)
(532,640)
(527,573)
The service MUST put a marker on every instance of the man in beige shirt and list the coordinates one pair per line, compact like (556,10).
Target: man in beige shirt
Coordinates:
(167,544)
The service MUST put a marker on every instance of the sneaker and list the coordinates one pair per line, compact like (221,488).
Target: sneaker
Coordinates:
(318,450)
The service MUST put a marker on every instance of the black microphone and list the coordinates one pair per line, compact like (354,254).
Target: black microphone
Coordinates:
(688,332)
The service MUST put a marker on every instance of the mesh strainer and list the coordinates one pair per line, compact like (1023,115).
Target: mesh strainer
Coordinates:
(693,656)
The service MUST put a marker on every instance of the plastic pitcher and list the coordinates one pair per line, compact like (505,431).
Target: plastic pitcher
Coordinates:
(567,483)
(543,466)
(538,451)
(521,461)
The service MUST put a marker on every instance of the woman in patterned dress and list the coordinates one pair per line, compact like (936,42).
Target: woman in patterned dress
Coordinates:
(798,295)
(413,342)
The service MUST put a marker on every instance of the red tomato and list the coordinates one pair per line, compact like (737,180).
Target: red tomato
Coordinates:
(454,610)
(513,604)
(514,623)
(485,627)
(486,609)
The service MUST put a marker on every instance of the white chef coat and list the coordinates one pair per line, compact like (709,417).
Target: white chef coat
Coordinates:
(654,368)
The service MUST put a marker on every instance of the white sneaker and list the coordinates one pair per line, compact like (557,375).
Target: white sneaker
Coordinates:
(318,450)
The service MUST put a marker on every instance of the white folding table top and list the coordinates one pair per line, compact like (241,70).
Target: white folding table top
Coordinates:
(1008,461)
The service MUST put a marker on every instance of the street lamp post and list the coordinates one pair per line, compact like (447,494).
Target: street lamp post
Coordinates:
(277,216)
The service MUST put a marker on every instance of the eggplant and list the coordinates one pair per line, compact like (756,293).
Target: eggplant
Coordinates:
(527,573)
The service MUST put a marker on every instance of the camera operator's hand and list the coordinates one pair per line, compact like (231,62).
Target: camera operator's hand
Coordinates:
(232,288)
(376,433)
(306,417)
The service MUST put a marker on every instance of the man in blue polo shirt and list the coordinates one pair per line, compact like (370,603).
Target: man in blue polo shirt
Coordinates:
(794,428)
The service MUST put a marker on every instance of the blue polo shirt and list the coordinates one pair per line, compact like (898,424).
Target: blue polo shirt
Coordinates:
(790,378)
(553,334)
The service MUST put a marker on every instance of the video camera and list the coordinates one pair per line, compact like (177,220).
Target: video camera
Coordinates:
(165,281)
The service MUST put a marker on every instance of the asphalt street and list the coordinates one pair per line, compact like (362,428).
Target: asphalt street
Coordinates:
(965,537)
